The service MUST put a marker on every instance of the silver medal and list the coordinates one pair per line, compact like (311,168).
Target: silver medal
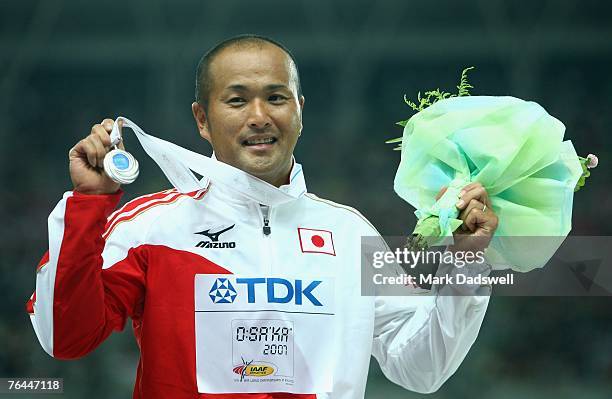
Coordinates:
(121,166)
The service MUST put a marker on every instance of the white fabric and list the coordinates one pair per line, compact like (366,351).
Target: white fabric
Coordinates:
(42,319)
(177,163)
(270,335)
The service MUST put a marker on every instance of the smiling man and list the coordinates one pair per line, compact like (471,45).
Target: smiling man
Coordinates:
(249,106)
(231,297)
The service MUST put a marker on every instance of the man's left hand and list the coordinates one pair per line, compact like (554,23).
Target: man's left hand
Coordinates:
(479,220)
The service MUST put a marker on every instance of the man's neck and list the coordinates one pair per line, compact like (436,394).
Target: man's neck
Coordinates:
(276,182)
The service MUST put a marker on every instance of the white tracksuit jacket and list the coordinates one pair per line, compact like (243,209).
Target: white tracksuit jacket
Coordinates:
(140,262)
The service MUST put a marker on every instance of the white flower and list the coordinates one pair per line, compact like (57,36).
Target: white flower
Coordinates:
(592,161)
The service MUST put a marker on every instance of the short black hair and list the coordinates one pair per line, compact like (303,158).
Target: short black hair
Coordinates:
(203,82)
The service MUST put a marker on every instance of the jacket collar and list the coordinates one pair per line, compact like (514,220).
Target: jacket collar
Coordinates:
(295,188)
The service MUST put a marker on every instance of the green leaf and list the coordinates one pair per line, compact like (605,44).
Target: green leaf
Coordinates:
(464,87)
(430,97)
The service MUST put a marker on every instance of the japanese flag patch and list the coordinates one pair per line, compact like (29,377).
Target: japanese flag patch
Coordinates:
(316,241)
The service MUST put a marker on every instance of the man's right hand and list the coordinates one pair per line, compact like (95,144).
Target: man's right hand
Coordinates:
(87,161)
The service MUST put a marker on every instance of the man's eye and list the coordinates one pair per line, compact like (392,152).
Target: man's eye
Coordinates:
(277,98)
(236,100)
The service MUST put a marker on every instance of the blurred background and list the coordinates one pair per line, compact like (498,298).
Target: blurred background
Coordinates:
(65,65)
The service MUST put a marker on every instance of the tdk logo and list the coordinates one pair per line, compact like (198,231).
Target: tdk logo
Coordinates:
(278,290)
(222,291)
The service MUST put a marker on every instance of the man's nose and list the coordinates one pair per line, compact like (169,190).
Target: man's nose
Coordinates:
(258,115)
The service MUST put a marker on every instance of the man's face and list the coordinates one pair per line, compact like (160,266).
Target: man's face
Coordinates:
(254,114)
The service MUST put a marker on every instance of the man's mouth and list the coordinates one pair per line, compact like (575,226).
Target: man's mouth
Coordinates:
(261,142)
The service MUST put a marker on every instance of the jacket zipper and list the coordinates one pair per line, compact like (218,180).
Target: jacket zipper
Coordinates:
(267,247)
(265,210)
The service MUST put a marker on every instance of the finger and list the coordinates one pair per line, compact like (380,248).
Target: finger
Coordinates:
(468,187)
(101,132)
(85,150)
(481,222)
(101,150)
(104,130)
(441,192)
(478,193)
(74,152)
(92,151)
(471,219)
(120,125)
(474,204)
(108,124)
(484,198)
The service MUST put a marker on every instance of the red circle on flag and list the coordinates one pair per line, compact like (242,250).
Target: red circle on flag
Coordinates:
(317,241)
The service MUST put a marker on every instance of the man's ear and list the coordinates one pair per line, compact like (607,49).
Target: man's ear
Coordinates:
(201,120)
(301,101)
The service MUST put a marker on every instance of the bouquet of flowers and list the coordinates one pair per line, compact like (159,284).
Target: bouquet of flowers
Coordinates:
(514,148)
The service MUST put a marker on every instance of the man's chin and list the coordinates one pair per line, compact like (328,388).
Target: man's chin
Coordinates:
(264,173)
(263,168)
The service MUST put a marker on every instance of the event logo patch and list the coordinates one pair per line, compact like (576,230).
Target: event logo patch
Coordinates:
(248,369)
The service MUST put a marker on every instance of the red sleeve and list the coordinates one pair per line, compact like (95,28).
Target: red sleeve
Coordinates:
(77,303)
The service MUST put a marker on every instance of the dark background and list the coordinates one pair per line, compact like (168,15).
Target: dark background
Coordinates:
(65,65)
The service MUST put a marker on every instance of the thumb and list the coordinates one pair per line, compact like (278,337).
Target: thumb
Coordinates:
(120,126)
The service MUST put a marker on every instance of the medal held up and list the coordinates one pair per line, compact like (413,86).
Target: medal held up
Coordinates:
(119,165)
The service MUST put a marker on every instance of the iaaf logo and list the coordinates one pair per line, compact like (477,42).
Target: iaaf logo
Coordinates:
(248,369)
(214,239)
(222,290)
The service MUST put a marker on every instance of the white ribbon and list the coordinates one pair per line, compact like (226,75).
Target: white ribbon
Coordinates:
(177,163)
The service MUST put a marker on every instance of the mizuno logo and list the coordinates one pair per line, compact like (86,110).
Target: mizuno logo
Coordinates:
(214,239)
(210,244)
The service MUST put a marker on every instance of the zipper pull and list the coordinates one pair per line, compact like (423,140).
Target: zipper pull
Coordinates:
(266,228)
(266,221)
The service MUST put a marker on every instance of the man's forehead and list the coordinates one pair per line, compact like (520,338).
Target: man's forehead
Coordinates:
(236,65)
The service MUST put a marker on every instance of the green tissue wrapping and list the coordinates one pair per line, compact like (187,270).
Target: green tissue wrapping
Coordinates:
(515,149)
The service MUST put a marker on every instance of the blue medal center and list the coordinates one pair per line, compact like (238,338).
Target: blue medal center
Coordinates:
(120,161)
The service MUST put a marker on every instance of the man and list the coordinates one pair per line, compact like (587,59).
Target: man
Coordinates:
(233,297)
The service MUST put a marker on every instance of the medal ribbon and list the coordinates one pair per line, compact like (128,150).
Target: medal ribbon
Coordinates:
(177,163)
